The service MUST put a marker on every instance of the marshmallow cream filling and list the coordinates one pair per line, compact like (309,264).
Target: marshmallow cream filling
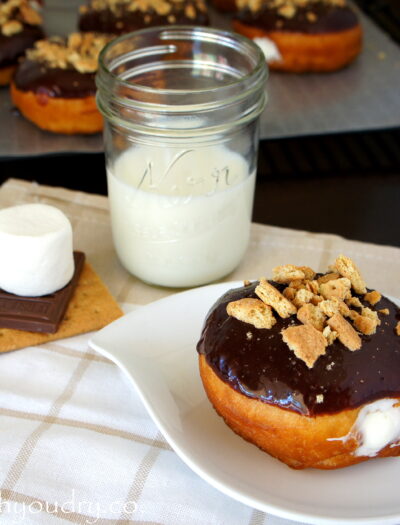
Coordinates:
(269,48)
(36,250)
(377,426)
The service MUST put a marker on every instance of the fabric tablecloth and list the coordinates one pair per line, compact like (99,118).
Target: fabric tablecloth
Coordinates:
(76,443)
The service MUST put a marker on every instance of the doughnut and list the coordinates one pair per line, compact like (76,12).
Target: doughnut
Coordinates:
(302,35)
(20,27)
(124,16)
(54,86)
(306,366)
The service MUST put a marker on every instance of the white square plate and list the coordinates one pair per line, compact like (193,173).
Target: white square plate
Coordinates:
(156,346)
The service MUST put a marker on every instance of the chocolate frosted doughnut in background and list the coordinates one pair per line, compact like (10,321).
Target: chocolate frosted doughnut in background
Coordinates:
(124,16)
(54,86)
(308,35)
(20,27)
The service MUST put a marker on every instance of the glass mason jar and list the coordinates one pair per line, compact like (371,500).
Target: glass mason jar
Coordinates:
(181,107)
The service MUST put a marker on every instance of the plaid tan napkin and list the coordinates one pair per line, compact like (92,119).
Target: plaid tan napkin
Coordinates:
(76,444)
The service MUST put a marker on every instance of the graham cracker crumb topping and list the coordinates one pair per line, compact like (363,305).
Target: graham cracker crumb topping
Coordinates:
(306,342)
(161,7)
(365,325)
(336,288)
(329,334)
(398,328)
(302,297)
(310,314)
(252,311)
(271,296)
(373,297)
(323,304)
(287,273)
(80,51)
(346,333)
(14,14)
(347,268)
(289,8)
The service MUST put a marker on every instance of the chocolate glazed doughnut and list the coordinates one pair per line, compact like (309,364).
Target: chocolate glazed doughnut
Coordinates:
(20,27)
(307,35)
(54,87)
(124,16)
(308,387)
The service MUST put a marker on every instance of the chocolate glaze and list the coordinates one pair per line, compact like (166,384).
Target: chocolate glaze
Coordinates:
(13,47)
(40,78)
(265,368)
(106,21)
(329,19)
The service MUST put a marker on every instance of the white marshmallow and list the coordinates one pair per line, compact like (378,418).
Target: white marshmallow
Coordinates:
(36,254)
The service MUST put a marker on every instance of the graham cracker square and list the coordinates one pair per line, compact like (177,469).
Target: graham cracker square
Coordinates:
(91,307)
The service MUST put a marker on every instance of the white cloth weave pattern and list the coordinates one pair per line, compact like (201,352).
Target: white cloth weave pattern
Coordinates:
(77,446)
(76,443)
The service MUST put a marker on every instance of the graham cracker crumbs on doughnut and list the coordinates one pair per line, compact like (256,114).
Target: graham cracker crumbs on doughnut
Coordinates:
(313,286)
(373,297)
(328,277)
(246,282)
(353,315)
(346,333)
(252,311)
(316,300)
(14,14)
(354,301)
(308,272)
(334,306)
(336,288)
(371,314)
(302,296)
(297,284)
(319,398)
(12,27)
(271,296)
(311,17)
(321,303)
(310,314)
(287,273)
(80,51)
(30,15)
(161,7)
(330,335)
(306,342)
(289,293)
(288,8)
(346,267)
(365,325)
(190,11)
(398,328)
(384,311)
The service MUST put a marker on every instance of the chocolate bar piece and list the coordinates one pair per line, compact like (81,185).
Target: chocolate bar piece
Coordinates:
(39,314)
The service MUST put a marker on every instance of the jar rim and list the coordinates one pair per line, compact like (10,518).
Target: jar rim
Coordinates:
(260,68)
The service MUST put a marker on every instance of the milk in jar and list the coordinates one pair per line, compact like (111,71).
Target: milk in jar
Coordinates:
(180,217)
